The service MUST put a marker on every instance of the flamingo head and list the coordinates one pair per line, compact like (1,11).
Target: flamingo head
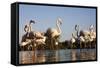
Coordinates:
(32,21)
(77,27)
(26,28)
(59,20)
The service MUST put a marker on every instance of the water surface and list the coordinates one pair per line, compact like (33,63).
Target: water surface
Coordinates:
(41,56)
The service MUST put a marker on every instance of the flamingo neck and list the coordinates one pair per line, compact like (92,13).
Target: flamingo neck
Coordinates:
(30,27)
(58,27)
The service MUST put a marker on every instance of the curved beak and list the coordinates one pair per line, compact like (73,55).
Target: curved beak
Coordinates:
(60,22)
(32,21)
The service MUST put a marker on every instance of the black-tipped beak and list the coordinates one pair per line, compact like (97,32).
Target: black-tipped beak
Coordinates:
(60,23)
(32,21)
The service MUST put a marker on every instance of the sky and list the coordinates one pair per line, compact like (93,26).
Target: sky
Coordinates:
(46,16)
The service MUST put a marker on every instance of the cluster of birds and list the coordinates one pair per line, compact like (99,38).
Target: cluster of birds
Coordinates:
(35,38)
(39,38)
(84,37)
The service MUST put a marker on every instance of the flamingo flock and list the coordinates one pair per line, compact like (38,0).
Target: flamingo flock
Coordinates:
(36,38)
(32,39)
(85,38)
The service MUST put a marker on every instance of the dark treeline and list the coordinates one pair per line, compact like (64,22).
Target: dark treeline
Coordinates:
(61,45)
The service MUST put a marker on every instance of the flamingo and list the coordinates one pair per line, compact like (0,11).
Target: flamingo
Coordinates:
(88,35)
(32,37)
(73,40)
(28,30)
(55,32)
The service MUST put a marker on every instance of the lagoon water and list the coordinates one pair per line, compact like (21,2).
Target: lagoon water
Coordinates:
(42,56)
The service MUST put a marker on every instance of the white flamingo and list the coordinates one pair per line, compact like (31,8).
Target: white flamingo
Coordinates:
(55,32)
(39,38)
(88,35)
(73,39)
(92,33)
(28,30)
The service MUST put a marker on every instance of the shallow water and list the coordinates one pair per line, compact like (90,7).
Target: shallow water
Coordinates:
(40,56)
